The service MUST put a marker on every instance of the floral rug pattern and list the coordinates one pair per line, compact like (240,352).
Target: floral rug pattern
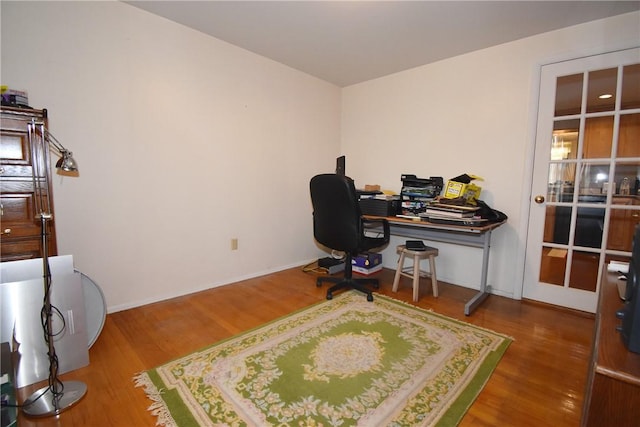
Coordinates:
(344,362)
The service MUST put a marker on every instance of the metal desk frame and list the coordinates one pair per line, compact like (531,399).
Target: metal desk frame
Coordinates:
(476,237)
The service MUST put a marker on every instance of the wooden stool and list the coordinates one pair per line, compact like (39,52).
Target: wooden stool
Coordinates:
(414,271)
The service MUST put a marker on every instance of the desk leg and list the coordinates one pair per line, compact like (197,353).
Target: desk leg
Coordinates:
(484,290)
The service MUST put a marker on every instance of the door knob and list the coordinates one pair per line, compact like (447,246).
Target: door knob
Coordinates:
(6,231)
(539,199)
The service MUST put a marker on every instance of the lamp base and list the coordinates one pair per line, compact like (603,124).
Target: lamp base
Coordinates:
(40,403)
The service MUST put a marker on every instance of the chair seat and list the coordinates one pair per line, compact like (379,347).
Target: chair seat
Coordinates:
(415,272)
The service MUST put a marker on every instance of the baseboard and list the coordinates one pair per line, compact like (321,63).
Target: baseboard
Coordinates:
(184,292)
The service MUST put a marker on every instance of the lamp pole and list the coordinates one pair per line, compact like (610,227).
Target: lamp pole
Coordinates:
(57,395)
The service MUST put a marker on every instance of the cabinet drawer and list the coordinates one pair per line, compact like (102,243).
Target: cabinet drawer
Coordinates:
(12,249)
(17,119)
(19,213)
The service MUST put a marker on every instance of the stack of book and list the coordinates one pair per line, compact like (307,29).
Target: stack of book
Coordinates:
(447,211)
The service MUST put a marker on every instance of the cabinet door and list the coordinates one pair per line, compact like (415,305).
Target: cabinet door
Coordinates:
(15,153)
(20,206)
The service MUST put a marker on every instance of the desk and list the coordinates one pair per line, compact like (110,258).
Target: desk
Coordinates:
(477,237)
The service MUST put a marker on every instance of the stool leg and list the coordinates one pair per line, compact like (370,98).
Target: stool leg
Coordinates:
(396,279)
(434,279)
(416,277)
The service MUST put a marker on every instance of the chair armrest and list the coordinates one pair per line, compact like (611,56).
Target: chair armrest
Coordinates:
(376,223)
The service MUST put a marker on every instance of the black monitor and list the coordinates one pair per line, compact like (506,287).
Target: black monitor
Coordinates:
(340,166)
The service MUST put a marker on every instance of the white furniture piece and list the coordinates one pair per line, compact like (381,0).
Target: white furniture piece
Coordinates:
(21,296)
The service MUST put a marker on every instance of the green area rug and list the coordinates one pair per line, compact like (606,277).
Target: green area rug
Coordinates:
(342,362)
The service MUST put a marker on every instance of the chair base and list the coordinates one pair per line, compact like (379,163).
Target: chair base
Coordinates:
(344,283)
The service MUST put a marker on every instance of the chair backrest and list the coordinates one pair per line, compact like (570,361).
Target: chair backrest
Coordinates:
(337,222)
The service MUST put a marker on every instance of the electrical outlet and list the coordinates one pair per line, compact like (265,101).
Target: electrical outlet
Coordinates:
(234,244)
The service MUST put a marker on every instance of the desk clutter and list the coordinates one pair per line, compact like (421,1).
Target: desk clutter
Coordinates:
(418,193)
(428,199)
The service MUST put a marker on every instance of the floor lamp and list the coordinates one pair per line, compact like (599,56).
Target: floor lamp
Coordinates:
(57,395)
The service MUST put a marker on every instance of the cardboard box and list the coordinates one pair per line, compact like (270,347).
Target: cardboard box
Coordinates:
(457,187)
(367,260)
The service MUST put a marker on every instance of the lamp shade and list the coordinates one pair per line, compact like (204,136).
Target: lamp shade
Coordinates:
(67,163)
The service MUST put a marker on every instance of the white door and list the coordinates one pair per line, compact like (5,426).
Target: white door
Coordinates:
(585,198)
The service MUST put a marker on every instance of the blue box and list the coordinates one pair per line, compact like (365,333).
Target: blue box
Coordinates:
(367,260)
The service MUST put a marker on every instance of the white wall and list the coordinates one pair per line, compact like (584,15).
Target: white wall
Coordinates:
(471,114)
(183,142)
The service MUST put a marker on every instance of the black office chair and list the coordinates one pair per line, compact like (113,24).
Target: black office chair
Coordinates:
(338,224)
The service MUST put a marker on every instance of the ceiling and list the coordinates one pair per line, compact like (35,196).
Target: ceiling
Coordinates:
(348,42)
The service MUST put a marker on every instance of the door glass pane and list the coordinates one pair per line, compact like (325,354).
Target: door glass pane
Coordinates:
(553,265)
(561,179)
(568,95)
(561,225)
(584,271)
(589,226)
(601,92)
(549,224)
(594,182)
(630,87)
(627,181)
(564,144)
(629,138)
(598,137)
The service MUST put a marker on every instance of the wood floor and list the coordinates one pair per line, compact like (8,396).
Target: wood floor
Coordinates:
(540,381)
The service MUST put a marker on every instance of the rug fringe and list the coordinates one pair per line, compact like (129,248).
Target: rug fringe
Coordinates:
(158,408)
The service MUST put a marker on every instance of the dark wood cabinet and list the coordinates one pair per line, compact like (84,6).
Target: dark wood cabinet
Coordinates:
(612,397)
(21,161)
(623,223)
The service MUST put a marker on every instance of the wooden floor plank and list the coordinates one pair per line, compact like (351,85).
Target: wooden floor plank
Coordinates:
(540,380)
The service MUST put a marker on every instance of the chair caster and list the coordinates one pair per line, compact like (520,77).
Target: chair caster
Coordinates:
(329,295)
(369,297)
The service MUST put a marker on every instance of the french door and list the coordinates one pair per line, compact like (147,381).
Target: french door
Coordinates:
(585,199)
